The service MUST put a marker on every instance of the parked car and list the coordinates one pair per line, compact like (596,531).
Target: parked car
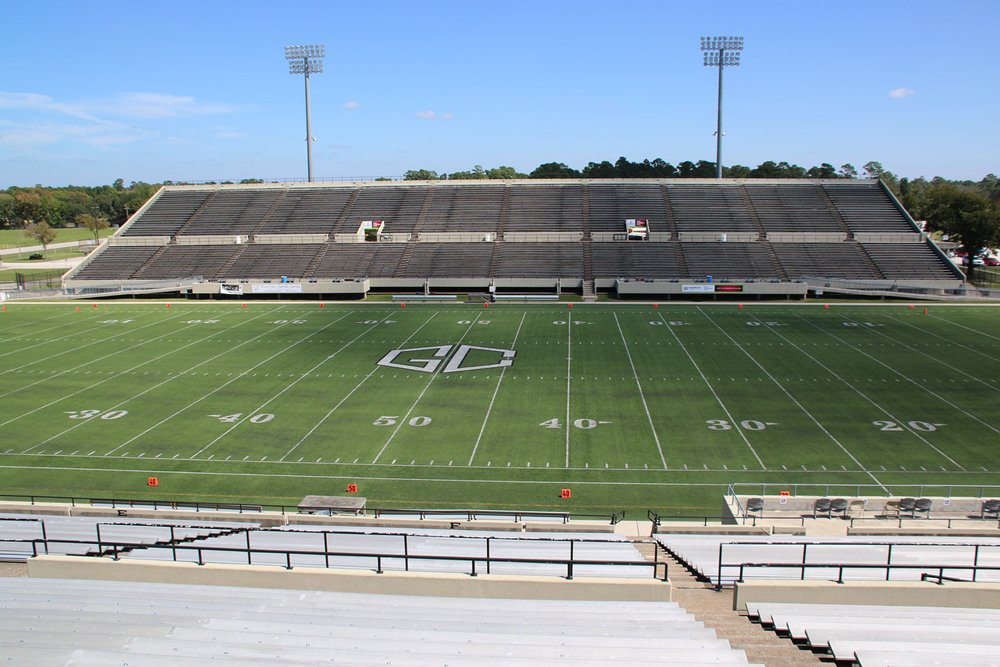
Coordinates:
(991,261)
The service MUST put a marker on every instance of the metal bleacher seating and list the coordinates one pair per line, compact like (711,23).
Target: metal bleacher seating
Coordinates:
(168,213)
(540,260)
(118,263)
(305,211)
(908,557)
(416,550)
(231,213)
(709,208)
(865,208)
(468,209)
(845,259)
(448,260)
(275,260)
(783,208)
(545,208)
(611,205)
(523,230)
(22,536)
(91,623)
(878,636)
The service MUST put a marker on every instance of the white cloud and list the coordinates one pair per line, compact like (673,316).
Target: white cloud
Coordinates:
(427,115)
(352,105)
(900,93)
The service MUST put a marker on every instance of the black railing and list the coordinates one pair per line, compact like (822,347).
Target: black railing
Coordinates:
(840,567)
(116,549)
(248,508)
(802,564)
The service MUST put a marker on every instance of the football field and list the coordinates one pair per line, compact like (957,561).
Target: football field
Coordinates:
(435,406)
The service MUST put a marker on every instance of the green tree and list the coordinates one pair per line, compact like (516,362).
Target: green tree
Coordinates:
(43,233)
(554,170)
(965,215)
(420,175)
(848,171)
(876,170)
(504,173)
(92,223)
(823,171)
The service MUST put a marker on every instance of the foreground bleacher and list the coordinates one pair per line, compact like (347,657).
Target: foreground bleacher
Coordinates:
(517,236)
(882,635)
(79,622)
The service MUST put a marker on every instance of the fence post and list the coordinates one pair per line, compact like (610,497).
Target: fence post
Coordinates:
(569,571)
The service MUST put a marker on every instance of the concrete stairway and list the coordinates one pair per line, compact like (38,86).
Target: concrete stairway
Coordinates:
(714,609)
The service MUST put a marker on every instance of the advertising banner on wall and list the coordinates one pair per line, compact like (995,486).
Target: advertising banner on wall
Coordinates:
(281,288)
(235,290)
(698,288)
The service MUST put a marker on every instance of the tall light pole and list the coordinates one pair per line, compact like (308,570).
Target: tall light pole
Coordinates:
(720,52)
(306,60)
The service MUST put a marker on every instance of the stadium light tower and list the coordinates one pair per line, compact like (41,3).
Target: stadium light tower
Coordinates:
(306,60)
(721,52)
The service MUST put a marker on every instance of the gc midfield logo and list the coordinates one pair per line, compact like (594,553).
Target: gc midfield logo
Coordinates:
(412,359)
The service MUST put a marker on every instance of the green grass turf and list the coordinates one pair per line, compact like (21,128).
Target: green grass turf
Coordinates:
(12,238)
(631,407)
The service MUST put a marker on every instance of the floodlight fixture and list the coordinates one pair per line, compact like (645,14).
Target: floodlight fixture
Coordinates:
(306,60)
(721,52)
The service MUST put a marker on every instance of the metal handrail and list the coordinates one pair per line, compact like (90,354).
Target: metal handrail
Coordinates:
(802,564)
(248,508)
(117,548)
(840,567)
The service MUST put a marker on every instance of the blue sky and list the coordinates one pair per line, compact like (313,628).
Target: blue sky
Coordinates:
(149,91)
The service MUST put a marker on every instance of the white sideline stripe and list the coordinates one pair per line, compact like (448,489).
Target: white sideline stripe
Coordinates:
(493,399)
(94,361)
(156,386)
(87,388)
(163,421)
(356,387)
(898,421)
(430,381)
(257,410)
(708,384)
(962,326)
(787,393)
(638,384)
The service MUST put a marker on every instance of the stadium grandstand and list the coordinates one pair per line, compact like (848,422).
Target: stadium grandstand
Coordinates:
(633,239)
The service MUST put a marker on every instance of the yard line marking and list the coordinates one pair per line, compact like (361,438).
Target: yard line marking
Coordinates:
(257,410)
(489,409)
(434,375)
(15,324)
(80,391)
(356,387)
(708,384)
(642,395)
(93,361)
(916,384)
(939,359)
(569,378)
(131,398)
(18,350)
(794,400)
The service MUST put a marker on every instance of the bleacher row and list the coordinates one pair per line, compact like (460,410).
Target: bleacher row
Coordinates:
(106,623)
(663,261)
(669,207)
(723,559)
(369,548)
(887,636)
